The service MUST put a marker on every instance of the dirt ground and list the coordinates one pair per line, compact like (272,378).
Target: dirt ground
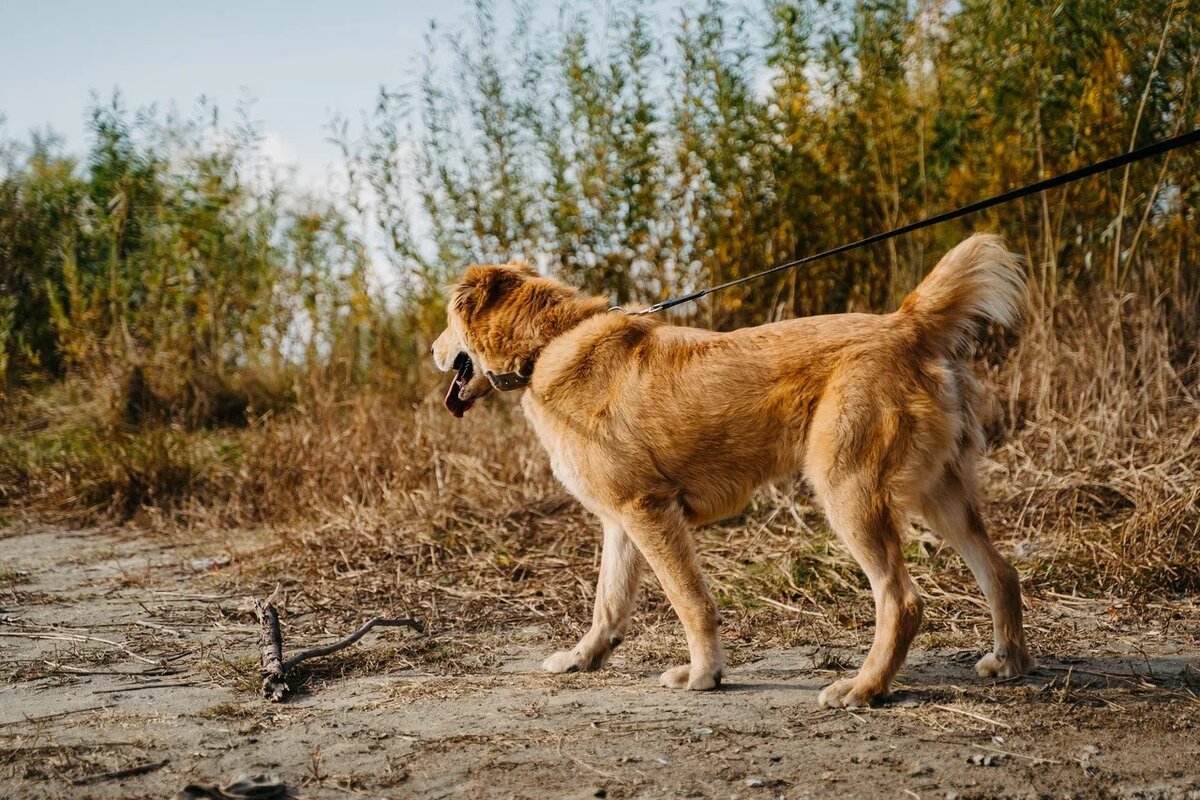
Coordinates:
(118,657)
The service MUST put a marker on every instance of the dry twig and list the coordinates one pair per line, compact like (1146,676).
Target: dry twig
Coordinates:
(274,669)
(129,772)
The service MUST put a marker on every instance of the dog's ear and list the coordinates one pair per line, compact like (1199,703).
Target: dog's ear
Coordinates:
(482,285)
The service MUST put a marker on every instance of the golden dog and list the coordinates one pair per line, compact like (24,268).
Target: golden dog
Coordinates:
(657,429)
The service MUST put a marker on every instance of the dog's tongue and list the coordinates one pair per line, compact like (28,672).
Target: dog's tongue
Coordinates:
(454,402)
(463,370)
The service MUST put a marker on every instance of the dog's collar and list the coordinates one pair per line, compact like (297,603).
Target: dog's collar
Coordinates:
(507,381)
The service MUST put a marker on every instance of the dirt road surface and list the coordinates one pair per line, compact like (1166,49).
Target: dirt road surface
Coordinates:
(126,675)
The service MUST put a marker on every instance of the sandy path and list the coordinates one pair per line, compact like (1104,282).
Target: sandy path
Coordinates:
(173,700)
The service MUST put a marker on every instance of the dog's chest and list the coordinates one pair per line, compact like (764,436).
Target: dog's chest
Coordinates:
(568,474)
(567,452)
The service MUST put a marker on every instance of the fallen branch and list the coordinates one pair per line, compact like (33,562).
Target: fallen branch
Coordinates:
(130,772)
(154,626)
(70,637)
(385,622)
(142,688)
(35,720)
(973,715)
(274,669)
(270,645)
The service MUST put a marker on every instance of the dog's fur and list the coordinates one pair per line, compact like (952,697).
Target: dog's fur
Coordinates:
(658,429)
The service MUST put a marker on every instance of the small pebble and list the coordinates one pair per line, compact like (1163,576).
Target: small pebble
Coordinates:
(754,783)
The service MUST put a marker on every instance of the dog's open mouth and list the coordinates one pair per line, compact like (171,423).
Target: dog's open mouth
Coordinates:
(464,370)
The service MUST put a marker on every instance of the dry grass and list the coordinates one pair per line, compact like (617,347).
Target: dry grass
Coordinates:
(369,506)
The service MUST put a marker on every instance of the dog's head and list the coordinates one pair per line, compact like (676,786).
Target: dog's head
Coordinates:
(498,319)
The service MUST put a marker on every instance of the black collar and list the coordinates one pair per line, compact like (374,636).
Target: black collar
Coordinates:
(507,381)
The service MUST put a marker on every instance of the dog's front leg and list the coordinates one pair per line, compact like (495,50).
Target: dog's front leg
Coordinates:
(616,594)
(661,532)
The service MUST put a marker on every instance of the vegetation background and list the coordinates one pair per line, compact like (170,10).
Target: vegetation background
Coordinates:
(188,344)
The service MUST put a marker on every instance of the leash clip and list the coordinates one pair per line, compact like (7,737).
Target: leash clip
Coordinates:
(651,310)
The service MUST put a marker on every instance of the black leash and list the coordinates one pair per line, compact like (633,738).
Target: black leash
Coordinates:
(1149,151)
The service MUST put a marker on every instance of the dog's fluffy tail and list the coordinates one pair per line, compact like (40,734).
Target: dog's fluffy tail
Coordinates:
(977,282)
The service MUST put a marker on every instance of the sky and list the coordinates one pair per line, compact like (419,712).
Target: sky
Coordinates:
(303,61)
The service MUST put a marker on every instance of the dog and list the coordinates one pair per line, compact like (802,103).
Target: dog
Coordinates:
(658,429)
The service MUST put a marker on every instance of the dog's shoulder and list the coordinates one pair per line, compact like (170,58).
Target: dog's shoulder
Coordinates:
(602,340)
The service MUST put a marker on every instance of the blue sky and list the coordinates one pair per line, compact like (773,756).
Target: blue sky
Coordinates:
(302,60)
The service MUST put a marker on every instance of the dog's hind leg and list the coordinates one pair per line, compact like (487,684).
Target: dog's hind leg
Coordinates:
(661,532)
(616,595)
(858,511)
(952,512)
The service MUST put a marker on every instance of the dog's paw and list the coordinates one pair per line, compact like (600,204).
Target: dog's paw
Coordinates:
(562,661)
(685,677)
(849,693)
(1005,665)
(574,661)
